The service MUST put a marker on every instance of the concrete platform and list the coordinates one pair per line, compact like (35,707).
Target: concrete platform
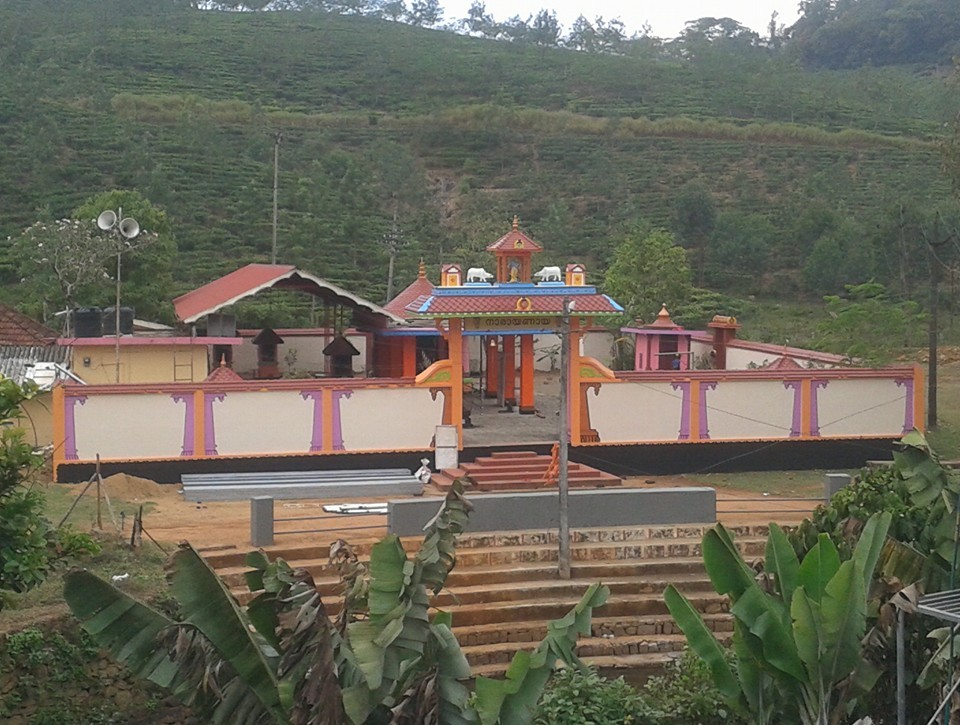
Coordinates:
(332,485)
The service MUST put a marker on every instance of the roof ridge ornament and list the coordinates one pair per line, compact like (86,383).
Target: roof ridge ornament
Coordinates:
(516,222)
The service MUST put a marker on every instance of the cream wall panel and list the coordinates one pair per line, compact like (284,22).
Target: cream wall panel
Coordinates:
(635,412)
(129,426)
(749,409)
(390,418)
(861,407)
(254,422)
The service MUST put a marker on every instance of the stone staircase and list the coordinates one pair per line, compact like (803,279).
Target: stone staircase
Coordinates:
(505,589)
(520,471)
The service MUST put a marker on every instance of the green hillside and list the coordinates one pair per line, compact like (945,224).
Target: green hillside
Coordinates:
(453,134)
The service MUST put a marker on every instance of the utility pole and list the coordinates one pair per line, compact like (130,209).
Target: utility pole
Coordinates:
(934,242)
(276,185)
(394,242)
(563,483)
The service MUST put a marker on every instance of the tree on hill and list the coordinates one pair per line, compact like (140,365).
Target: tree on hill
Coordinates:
(711,34)
(648,270)
(854,33)
(694,218)
(600,36)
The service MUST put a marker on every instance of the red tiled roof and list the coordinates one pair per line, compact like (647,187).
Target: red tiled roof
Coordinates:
(230,288)
(18,329)
(516,240)
(783,363)
(421,287)
(254,278)
(222,374)
(507,304)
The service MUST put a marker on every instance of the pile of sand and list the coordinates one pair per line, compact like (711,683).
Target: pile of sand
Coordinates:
(133,488)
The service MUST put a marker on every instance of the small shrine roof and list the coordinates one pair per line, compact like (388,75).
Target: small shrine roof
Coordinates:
(782,363)
(267,336)
(420,287)
(222,374)
(515,240)
(339,347)
(663,321)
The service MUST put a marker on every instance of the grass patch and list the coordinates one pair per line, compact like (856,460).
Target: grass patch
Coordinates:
(776,483)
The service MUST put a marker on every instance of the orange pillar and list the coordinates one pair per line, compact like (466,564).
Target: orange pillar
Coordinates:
(455,343)
(409,359)
(492,356)
(573,381)
(526,375)
(60,428)
(510,369)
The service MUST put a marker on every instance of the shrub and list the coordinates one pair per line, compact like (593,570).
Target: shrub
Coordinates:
(585,698)
(844,515)
(685,695)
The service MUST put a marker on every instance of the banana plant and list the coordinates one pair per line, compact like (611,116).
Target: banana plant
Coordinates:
(798,631)
(281,658)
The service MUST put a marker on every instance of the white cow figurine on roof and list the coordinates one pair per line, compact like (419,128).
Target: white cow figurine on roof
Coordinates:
(478,274)
(549,274)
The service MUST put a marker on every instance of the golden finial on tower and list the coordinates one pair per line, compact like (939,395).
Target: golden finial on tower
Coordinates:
(516,222)
(423,269)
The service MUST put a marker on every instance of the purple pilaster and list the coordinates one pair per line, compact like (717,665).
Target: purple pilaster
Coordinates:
(815,385)
(316,437)
(70,425)
(209,435)
(684,387)
(339,395)
(908,421)
(704,427)
(796,387)
(188,422)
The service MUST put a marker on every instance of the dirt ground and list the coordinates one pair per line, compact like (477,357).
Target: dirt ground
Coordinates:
(169,518)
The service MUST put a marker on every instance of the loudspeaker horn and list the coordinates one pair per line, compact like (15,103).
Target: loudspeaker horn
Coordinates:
(129,228)
(106,220)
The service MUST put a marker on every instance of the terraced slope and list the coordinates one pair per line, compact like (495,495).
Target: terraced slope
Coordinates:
(505,589)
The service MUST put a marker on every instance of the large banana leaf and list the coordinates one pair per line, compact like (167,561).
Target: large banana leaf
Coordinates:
(702,641)
(439,696)
(844,615)
(870,545)
(727,569)
(126,628)
(808,631)
(818,567)
(437,553)
(768,620)
(513,700)
(762,693)
(207,604)
(781,561)
(175,656)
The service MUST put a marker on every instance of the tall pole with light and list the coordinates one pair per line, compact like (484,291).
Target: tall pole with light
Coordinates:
(563,484)
(123,229)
